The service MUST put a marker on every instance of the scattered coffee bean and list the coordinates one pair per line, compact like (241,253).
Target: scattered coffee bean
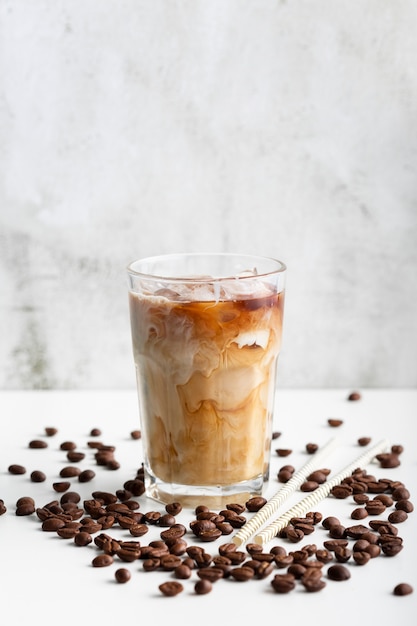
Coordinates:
(83,538)
(338,572)
(136,434)
(364,441)
(102,560)
(50,431)
(68,445)
(354,396)
(61,486)
(122,575)
(37,476)
(15,468)
(311,448)
(3,508)
(276,434)
(86,475)
(69,472)
(334,422)
(283,583)
(74,457)
(172,587)
(403,589)
(254,504)
(95,432)
(37,444)
(202,587)
(283,451)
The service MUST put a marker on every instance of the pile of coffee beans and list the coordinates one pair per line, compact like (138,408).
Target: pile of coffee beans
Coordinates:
(114,525)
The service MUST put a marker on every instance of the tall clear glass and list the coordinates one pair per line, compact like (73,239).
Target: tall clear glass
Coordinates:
(206,333)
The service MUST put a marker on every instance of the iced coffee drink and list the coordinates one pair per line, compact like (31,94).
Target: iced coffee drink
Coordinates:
(205,349)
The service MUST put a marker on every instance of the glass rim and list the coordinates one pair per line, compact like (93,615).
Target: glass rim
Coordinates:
(280,267)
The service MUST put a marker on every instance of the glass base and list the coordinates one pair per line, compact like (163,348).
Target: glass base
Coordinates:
(212,496)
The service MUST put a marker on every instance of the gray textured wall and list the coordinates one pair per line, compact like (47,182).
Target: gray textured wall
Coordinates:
(137,127)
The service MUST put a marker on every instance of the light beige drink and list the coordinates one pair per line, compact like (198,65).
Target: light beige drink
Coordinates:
(206,353)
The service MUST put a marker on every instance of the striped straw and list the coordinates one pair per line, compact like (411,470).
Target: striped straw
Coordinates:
(311,500)
(272,505)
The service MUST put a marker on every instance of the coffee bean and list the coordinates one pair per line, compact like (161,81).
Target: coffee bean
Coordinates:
(309,485)
(122,575)
(50,431)
(74,457)
(68,445)
(37,444)
(3,508)
(397,517)
(364,441)
(202,587)
(16,469)
(388,460)
(95,432)
(254,504)
(37,476)
(82,538)
(52,524)
(330,521)
(403,589)
(338,572)
(172,588)
(283,583)
(86,475)
(211,573)
(182,571)
(354,396)
(173,508)
(69,472)
(312,583)
(361,557)
(400,493)
(283,451)
(334,422)
(136,434)
(404,505)
(102,560)
(242,574)
(311,448)
(359,513)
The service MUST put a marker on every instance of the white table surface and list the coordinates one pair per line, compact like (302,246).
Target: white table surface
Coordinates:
(46,579)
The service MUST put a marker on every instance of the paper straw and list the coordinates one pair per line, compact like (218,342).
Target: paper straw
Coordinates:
(309,501)
(272,505)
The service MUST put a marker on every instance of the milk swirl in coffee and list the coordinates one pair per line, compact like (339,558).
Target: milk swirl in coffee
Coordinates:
(206,355)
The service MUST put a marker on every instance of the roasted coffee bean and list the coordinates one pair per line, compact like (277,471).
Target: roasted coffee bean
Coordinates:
(52,524)
(283,560)
(276,434)
(338,572)
(37,444)
(136,487)
(337,532)
(341,491)
(354,396)
(309,485)
(210,535)
(332,545)
(112,464)
(122,575)
(319,476)
(182,571)
(102,560)
(61,486)
(375,507)
(68,445)
(242,574)
(254,504)
(404,505)
(236,507)
(75,457)
(397,517)
(328,522)
(400,493)
(364,441)
(67,533)
(361,557)
(359,513)
(202,587)
(323,555)
(83,538)
(95,432)
(86,475)
(312,583)
(297,570)
(237,558)
(173,508)
(27,508)
(388,460)
(37,476)
(357,531)
(283,451)
(334,422)
(361,498)
(342,555)
(283,583)
(311,448)
(17,469)
(171,588)
(212,573)
(138,530)
(226,548)
(3,508)
(403,589)
(50,431)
